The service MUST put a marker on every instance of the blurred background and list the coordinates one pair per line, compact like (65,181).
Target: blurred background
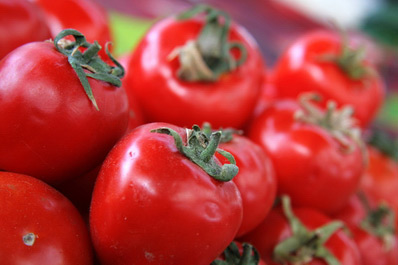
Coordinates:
(276,23)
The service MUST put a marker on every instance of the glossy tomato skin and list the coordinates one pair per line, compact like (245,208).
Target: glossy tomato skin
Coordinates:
(311,166)
(303,68)
(373,250)
(152,79)
(256,180)
(31,206)
(50,129)
(152,205)
(20,22)
(275,228)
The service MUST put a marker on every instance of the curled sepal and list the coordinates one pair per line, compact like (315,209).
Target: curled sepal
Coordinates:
(227,133)
(233,256)
(88,63)
(304,245)
(201,148)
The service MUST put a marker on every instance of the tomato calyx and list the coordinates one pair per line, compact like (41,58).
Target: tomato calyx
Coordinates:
(338,122)
(208,57)
(304,244)
(384,142)
(88,63)
(227,134)
(201,148)
(249,256)
(379,221)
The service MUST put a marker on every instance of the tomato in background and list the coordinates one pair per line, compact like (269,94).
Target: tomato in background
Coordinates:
(50,128)
(153,205)
(154,77)
(313,166)
(309,65)
(373,229)
(39,225)
(20,22)
(256,179)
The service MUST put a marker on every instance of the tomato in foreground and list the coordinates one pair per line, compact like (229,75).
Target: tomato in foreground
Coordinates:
(58,123)
(195,70)
(153,205)
(324,62)
(39,225)
(316,154)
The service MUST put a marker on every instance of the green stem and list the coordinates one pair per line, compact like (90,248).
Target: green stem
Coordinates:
(232,255)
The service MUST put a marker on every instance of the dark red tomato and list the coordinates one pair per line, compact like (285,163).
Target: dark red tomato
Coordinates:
(313,167)
(256,180)
(152,205)
(276,228)
(306,66)
(39,225)
(20,22)
(154,81)
(235,254)
(85,16)
(50,128)
(375,249)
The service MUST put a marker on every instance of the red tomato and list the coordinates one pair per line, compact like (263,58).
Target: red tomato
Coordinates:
(256,180)
(50,128)
(39,225)
(305,66)
(236,253)
(152,205)
(312,166)
(277,228)
(153,79)
(20,22)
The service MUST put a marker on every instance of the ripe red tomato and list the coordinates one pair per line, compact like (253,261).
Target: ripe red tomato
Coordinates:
(256,180)
(152,205)
(50,128)
(312,230)
(20,22)
(306,66)
(372,231)
(313,167)
(153,78)
(39,225)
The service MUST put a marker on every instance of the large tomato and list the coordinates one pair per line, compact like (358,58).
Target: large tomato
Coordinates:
(50,128)
(177,82)
(372,228)
(302,236)
(322,62)
(20,22)
(256,179)
(153,205)
(316,157)
(39,225)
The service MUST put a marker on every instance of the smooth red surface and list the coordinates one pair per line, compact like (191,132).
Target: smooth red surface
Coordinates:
(50,129)
(152,205)
(275,229)
(20,22)
(302,68)
(256,180)
(311,166)
(31,206)
(153,81)
(373,250)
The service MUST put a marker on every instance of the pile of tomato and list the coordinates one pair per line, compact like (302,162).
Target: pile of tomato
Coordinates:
(189,150)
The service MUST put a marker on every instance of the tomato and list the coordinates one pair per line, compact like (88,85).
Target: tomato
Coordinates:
(309,64)
(153,205)
(256,180)
(157,78)
(373,230)
(39,225)
(85,16)
(20,22)
(318,166)
(294,236)
(239,253)
(51,128)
